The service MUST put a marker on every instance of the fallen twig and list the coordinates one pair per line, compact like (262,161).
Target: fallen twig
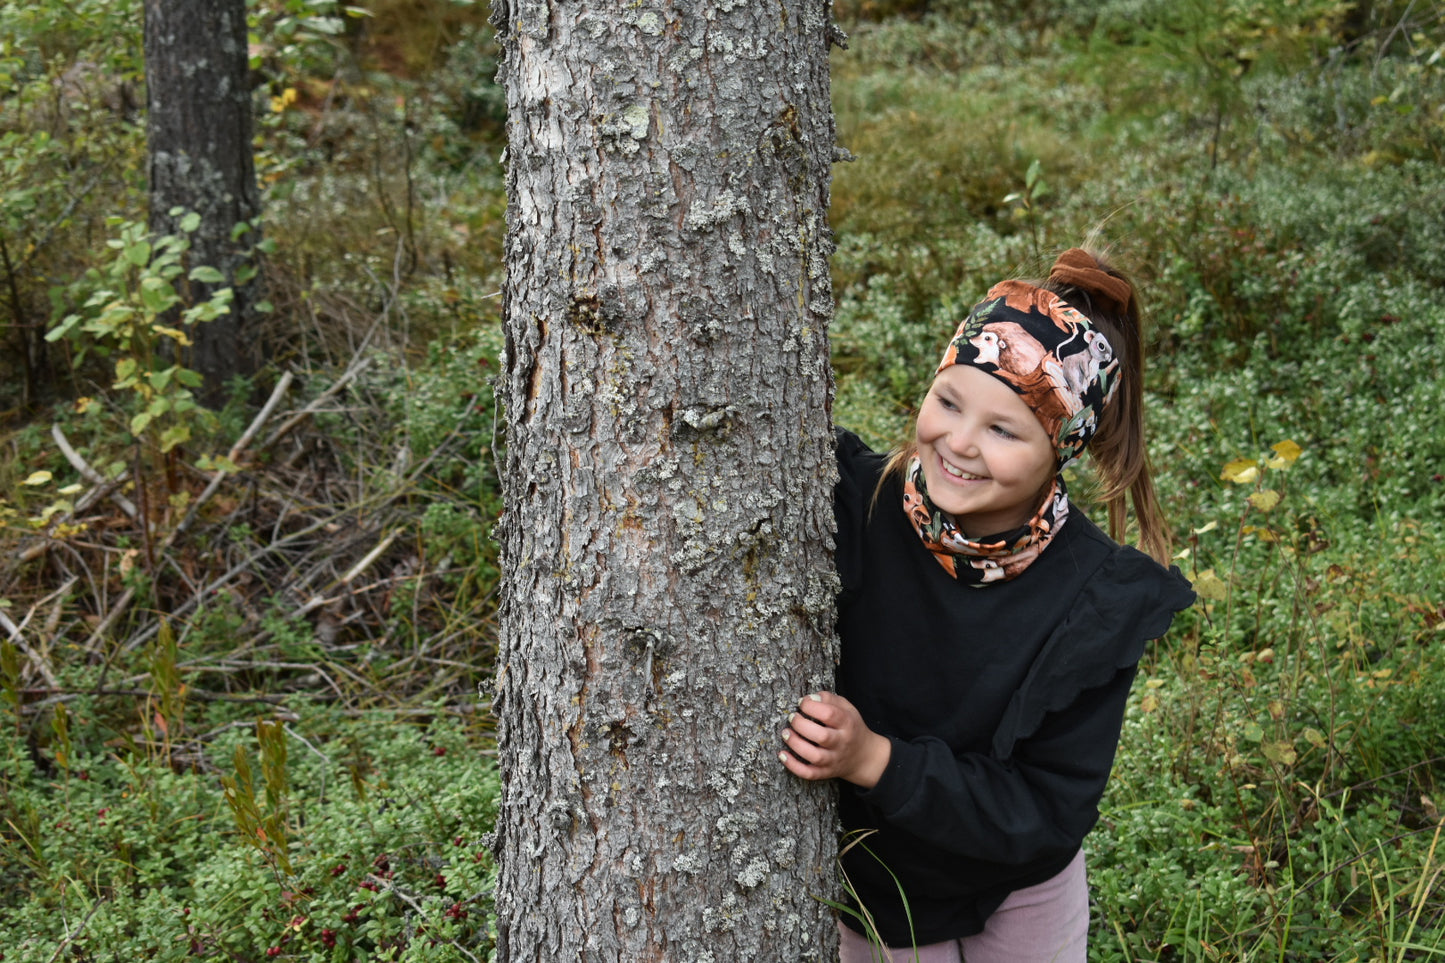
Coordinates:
(90,474)
(351,372)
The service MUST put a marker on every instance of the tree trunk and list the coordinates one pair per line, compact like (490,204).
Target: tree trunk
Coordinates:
(198,128)
(668,589)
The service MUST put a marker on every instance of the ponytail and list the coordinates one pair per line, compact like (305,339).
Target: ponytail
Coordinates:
(1103,293)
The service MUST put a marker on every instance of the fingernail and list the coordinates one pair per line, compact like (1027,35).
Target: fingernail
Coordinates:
(815,697)
(791,717)
(787,734)
(782,757)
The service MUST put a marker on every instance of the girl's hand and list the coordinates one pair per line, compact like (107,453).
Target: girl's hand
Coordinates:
(827,738)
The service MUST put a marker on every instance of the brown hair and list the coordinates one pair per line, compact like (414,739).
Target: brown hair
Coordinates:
(1106,296)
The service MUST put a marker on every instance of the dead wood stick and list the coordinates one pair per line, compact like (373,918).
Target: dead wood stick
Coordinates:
(285,427)
(88,473)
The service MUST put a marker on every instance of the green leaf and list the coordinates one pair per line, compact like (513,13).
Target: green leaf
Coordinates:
(207,275)
(326,25)
(217,463)
(138,253)
(190,222)
(63,328)
(157,295)
(175,435)
(139,422)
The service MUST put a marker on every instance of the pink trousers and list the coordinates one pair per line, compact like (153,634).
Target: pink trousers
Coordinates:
(1047,923)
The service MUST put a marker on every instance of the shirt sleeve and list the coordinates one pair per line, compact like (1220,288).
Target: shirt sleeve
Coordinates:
(858,471)
(1034,806)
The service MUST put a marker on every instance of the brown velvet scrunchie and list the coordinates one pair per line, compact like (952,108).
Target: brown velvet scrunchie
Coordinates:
(1080,269)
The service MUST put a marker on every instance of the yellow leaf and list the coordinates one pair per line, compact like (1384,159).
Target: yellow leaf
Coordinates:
(1241,471)
(1286,454)
(38,478)
(1149,703)
(1279,752)
(1264,500)
(176,334)
(1207,528)
(1210,586)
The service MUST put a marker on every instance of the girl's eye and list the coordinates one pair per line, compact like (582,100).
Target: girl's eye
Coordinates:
(1003,432)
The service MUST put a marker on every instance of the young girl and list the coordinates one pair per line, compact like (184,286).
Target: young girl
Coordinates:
(990,632)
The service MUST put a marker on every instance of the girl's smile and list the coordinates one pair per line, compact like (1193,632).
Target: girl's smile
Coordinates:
(986,458)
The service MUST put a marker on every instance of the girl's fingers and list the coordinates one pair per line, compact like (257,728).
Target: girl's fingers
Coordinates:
(799,765)
(813,732)
(822,711)
(804,749)
(799,768)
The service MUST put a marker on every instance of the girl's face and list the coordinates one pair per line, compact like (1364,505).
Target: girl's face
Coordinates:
(986,459)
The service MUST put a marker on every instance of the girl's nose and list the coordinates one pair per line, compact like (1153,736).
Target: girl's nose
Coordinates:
(962,442)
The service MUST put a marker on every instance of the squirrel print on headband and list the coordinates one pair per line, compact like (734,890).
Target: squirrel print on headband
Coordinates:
(1048,353)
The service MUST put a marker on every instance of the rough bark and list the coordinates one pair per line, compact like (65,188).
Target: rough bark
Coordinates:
(198,131)
(668,594)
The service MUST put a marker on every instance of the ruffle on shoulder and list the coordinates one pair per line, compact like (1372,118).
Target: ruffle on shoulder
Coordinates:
(1128,602)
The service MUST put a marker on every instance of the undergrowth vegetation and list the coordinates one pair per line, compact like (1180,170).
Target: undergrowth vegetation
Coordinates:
(240,651)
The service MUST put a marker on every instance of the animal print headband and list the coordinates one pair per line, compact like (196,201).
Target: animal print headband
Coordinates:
(1047,352)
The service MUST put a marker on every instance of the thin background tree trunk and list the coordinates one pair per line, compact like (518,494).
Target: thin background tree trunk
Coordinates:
(198,132)
(668,594)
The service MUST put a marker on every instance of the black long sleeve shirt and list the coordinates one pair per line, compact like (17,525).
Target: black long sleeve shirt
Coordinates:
(1003,705)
